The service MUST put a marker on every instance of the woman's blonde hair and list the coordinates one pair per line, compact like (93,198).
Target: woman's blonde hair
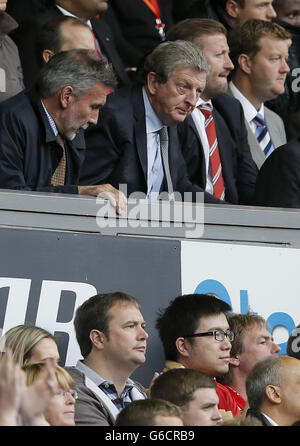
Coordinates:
(33,371)
(21,340)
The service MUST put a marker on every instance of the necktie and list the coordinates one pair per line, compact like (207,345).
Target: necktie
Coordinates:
(58,177)
(214,155)
(164,147)
(262,135)
(98,54)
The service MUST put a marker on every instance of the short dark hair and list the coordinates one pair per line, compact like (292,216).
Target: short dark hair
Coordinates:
(50,36)
(245,38)
(94,314)
(183,314)
(265,372)
(193,28)
(143,412)
(179,385)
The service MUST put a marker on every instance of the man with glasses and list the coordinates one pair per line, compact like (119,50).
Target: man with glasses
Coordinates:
(195,334)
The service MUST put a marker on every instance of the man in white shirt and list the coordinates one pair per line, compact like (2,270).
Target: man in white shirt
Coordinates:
(273,391)
(259,50)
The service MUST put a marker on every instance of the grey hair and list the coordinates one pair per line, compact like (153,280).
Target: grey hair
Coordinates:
(265,372)
(167,56)
(76,68)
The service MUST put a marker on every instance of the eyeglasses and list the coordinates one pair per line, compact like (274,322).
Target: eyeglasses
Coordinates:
(66,393)
(219,335)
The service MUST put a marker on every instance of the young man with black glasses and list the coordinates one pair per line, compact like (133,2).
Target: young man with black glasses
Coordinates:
(195,334)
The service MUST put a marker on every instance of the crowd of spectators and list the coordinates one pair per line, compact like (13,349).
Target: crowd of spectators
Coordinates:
(172,121)
(224,370)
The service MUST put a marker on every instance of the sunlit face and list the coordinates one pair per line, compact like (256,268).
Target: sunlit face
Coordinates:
(174,100)
(162,420)
(88,8)
(269,68)
(61,410)
(84,111)
(76,37)
(258,343)
(289,11)
(216,51)
(3,4)
(202,410)
(206,353)
(45,348)
(256,9)
(126,342)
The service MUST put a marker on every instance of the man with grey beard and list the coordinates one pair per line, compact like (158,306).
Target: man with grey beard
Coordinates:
(41,129)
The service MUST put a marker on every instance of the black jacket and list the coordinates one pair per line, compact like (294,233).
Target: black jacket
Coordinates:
(133,26)
(238,168)
(29,153)
(278,181)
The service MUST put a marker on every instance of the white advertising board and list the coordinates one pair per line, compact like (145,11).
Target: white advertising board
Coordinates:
(265,280)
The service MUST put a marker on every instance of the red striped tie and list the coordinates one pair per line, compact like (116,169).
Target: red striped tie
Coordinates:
(98,54)
(214,155)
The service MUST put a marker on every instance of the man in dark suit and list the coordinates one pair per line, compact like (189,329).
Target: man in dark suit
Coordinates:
(26,35)
(273,391)
(214,137)
(278,181)
(129,146)
(41,130)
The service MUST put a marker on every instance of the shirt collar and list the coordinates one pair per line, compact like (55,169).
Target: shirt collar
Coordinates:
(270,419)
(249,110)
(51,121)
(153,123)
(94,376)
(65,12)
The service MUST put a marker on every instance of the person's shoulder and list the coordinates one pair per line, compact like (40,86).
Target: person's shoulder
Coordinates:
(15,103)
(76,374)
(226,101)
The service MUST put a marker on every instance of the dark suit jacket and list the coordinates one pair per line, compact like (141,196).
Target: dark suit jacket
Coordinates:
(117,148)
(238,168)
(259,416)
(29,153)
(26,39)
(278,181)
(133,27)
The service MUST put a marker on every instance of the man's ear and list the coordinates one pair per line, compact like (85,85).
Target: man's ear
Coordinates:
(273,393)
(47,54)
(244,63)
(97,338)
(234,361)
(152,82)
(66,96)
(232,9)
(182,345)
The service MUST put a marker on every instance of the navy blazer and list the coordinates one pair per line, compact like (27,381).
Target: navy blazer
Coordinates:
(238,168)
(29,153)
(278,181)
(26,39)
(116,150)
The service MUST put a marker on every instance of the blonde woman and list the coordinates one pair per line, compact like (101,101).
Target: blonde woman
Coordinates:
(60,409)
(29,344)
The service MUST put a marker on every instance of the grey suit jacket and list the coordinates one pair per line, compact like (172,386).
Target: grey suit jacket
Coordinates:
(276,130)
